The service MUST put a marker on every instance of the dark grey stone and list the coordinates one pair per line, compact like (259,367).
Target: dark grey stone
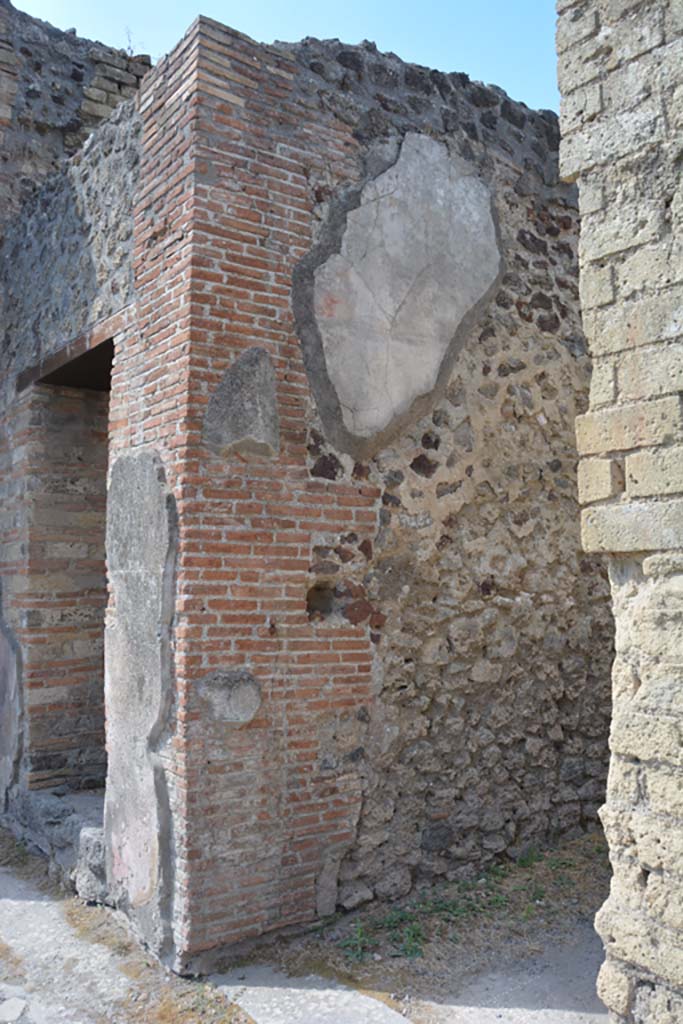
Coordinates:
(10,707)
(242,417)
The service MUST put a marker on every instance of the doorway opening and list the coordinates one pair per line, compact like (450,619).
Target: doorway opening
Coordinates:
(65,599)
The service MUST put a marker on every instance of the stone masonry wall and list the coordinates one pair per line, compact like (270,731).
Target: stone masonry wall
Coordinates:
(491,630)
(86,267)
(391,656)
(65,265)
(367,646)
(621,76)
(53,451)
(54,89)
(62,603)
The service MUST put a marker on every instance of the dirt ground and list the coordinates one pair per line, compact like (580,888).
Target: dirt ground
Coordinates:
(419,950)
(431,942)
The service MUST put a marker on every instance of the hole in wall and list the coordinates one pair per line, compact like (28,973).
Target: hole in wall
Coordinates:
(321,601)
(643,877)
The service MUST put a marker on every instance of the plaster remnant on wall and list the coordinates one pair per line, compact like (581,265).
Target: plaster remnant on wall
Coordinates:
(415,262)
(233,695)
(141,537)
(242,417)
(10,706)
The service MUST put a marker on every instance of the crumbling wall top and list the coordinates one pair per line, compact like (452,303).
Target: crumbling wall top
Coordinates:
(55,87)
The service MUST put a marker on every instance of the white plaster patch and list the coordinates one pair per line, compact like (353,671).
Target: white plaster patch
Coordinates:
(417,255)
(233,695)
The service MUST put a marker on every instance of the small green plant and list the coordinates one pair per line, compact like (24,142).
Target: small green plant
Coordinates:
(497,901)
(529,858)
(412,939)
(394,919)
(358,943)
(558,863)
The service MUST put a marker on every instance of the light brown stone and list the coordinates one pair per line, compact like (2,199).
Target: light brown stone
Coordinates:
(650,473)
(599,479)
(630,426)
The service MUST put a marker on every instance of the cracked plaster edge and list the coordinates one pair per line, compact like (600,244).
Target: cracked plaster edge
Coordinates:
(376,161)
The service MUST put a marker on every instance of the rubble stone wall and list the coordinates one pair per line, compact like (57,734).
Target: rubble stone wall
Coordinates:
(491,630)
(621,75)
(54,89)
(56,282)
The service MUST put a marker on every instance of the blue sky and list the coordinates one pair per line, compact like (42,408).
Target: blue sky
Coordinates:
(506,42)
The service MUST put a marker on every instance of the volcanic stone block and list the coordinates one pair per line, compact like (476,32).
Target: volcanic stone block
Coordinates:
(242,416)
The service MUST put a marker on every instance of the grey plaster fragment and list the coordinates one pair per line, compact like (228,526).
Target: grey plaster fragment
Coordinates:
(139,691)
(11,1010)
(241,417)
(233,695)
(385,301)
(10,707)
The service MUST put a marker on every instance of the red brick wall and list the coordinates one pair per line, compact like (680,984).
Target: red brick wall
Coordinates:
(150,371)
(264,812)
(222,218)
(58,594)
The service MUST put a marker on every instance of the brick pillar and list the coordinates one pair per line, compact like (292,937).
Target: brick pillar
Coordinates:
(621,76)
(268,819)
(224,817)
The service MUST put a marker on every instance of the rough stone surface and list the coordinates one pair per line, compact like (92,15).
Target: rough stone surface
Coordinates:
(623,146)
(141,538)
(417,259)
(85,268)
(54,89)
(242,417)
(485,690)
(63,826)
(90,880)
(10,707)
